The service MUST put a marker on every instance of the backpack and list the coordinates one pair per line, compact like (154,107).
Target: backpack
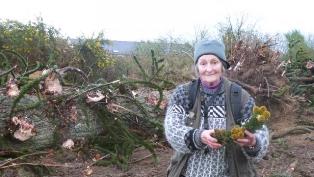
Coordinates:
(178,160)
(235,97)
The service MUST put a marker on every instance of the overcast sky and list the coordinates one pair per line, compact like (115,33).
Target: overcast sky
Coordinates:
(152,19)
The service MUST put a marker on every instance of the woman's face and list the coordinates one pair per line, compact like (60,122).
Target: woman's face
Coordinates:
(210,68)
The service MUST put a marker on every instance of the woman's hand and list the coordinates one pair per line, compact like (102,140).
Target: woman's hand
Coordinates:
(248,141)
(206,138)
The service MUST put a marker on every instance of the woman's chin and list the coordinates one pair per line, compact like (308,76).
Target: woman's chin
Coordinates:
(211,81)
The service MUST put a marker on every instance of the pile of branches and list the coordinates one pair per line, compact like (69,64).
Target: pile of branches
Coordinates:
(257,68)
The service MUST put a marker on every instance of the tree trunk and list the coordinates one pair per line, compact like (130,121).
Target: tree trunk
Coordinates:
(50,131)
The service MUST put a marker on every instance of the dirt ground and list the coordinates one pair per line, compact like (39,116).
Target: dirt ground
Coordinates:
(293,152)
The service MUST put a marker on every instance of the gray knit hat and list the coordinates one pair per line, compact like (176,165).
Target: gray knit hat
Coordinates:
(213,47)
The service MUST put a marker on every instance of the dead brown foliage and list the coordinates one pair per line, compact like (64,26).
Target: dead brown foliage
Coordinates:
(257,68)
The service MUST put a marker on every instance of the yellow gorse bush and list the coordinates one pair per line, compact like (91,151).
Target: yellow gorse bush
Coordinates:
(259,116)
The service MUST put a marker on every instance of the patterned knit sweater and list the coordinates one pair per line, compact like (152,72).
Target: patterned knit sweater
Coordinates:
(204,161)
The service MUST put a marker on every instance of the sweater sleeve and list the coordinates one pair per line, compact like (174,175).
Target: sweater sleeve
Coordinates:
(175,128)
(262,135)
(260,149)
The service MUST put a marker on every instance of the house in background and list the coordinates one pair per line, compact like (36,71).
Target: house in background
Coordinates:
(121,47)
(125,48)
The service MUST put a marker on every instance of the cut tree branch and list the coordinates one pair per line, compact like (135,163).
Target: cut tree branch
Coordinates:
(294,130)
(101,158)
(35,164)
(21,157)
(303,79)
(254,89)
(93,88)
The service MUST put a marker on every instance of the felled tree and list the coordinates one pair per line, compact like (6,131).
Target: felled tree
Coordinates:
(99,114)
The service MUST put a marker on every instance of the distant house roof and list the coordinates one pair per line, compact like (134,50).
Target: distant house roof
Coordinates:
(121,47)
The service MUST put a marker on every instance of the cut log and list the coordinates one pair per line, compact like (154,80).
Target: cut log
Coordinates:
(51,131)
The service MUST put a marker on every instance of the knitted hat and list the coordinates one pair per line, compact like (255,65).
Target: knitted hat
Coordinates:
(205,47)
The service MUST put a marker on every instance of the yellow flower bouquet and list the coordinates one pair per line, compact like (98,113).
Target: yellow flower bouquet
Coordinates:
(259,117)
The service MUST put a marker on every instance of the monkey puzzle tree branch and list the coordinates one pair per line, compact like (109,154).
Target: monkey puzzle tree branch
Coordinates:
(21,59)
(61,72)
(28,72)
(8,71)
(90,89)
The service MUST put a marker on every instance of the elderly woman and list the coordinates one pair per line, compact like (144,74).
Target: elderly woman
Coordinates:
(205,156)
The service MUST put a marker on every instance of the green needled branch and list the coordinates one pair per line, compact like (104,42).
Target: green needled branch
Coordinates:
(8,71)
(27,87)
(90,89)
(141,68)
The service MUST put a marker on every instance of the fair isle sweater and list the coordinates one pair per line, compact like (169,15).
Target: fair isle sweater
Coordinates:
(204,161)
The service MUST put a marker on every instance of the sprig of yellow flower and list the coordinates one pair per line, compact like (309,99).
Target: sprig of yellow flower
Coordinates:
(237,132)
(259,116)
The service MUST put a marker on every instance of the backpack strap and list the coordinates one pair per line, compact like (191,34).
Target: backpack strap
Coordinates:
(235,101)
(193,92)
(193,119)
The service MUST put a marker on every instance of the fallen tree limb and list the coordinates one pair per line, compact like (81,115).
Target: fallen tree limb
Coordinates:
(253,89)
(307,123)
(138,160)
(294,130)
(21,157)
(101,158)
(303,79)
(36,164)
